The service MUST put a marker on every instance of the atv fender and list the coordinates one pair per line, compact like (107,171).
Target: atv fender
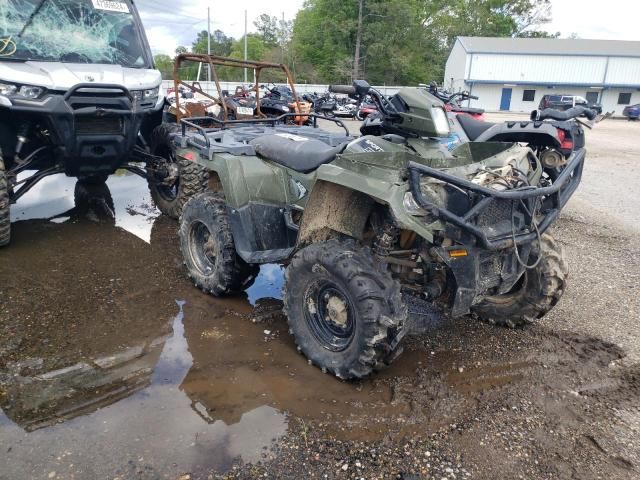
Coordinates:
(382,186)
(334,208)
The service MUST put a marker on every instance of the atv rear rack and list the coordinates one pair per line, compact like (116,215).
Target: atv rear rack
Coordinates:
(555,198)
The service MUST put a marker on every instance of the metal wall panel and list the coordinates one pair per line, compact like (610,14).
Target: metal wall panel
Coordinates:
(623,71)
(538,68)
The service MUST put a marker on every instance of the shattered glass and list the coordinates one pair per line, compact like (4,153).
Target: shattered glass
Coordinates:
(73,31)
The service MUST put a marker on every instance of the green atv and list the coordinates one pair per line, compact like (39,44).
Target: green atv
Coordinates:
(362,223)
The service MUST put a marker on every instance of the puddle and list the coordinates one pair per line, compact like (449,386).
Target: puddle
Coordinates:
(127,196)
(133,406)
(113,365)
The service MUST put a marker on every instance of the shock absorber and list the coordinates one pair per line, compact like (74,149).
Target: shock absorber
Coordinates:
(386,240)
(23,135)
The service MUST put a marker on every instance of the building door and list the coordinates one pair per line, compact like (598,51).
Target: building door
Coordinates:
(592,97)
(505,102)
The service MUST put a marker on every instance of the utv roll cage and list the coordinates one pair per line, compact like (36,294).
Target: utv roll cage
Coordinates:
(215,124)
(212,61)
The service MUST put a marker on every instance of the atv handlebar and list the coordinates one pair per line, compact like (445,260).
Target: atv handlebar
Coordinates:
(575,112)
(344,89)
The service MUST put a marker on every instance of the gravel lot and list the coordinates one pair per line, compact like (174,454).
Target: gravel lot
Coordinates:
(113,366)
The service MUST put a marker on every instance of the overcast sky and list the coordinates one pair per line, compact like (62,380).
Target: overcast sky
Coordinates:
(170,23)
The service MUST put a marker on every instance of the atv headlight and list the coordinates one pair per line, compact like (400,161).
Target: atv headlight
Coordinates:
(286,109)
(440,121)
(411,206)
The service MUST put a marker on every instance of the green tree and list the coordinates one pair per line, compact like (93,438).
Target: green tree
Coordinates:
(220,43)
(164,63)
(268,28)
(400,41)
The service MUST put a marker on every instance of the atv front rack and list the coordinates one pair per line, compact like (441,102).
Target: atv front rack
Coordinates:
(554,198)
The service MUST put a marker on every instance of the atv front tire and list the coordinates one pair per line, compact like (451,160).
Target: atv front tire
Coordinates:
(191,180)
(5,206)
(208,248)
(346,315)
(536,294)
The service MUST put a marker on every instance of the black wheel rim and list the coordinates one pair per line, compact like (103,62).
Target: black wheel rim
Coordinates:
(330,315)
(169,192)
(203,248)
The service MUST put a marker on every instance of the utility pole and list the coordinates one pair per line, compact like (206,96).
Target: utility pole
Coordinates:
(209,40)
(356,60)
(245,45)
(283,39)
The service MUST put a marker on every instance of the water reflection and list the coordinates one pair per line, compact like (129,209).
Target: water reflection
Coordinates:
(132,405)
(57,199)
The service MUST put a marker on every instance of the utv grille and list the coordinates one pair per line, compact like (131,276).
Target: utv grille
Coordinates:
(98,125)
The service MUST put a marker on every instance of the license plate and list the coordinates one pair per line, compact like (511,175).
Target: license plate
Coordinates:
(245,111)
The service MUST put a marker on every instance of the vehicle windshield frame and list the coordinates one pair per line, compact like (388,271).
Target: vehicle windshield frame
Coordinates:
(7,35)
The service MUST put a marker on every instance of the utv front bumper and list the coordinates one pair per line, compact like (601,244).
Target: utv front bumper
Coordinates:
(93,127)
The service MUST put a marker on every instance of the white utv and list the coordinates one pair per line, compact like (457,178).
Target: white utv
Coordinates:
(79,94)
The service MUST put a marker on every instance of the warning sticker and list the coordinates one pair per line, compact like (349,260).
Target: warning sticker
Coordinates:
(111,5)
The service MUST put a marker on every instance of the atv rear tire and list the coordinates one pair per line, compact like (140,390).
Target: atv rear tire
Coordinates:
(5,207)
(540,289)
(346,315)
(192,178)
(208,248)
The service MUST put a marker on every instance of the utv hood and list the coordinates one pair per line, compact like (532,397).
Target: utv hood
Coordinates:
(63,76)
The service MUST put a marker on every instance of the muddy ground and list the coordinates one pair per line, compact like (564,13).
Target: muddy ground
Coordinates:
(113,366)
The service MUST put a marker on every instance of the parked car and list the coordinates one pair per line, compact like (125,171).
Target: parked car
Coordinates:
(565,102)
(632,112)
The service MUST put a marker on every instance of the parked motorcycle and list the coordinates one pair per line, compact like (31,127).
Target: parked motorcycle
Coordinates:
(366,108)
(280,100)
(322,104)
(452,102)
(241,105)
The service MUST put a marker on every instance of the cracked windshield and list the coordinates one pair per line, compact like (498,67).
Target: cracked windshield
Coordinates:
(70,31)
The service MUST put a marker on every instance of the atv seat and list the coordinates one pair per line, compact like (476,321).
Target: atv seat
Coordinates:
(298,153)
(472,127)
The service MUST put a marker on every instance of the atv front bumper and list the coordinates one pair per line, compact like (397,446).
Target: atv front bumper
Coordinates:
(539,206)
(486,259)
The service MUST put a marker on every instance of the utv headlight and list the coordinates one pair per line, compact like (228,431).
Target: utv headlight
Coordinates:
(145,95)
(150,93)
(440,121)
(411,206)
(30,92)
(7,89)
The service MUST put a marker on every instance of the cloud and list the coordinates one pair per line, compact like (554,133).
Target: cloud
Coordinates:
(169,25)
(594,19)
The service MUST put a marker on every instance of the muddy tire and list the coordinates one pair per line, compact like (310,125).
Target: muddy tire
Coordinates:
(208,249)
(345,314)
(192,178)
(539,291)
(5,207)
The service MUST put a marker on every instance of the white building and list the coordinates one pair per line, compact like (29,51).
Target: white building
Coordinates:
(512,74)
